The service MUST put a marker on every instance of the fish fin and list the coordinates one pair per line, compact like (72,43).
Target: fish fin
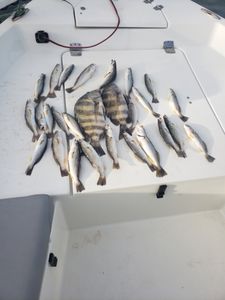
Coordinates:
(57,88)
(160,172)
(80,187)
(101,181)
(51,95)
(116,165)
(155,114)
(50,134)
(155,100)
(29,170)
(99,149)
(64,172)
(181,153)
(35,137)
(42,98)
(70,90)
(183,118)
(210,158)
(36,100)
(122,130)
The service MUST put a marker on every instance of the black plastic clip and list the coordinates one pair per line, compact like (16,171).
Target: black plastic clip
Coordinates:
(52,260)
(161,191)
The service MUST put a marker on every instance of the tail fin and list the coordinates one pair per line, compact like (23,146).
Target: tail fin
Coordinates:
(156,114)
(69,90)
(101,181)
(50,134)
(160,172)
(57,88)
(42,98)
(51,95)
(151,167)
(35,137)
(210,158)
(122,130)
(80,187)
(181,153)
(116,165)
(63,172)
(70,136)
(183,118)
(98,149)
(29,170)
(155,100)
(129,130)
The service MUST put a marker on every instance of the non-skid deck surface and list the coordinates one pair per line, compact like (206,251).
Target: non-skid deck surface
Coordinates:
(166,71)
(179,258)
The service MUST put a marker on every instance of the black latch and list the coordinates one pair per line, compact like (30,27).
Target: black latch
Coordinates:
(158,7)
(168,46)
(52,260)
(161,191)
(41,37)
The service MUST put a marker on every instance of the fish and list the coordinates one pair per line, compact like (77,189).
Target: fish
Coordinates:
(95,160)
(110,76)
(58,117)
(137,150)
(64,76)
(90,114)
(176,106)
(40,117)
(54,79)
(168,139)
(60,151)
(173,129)
(73,126)
(74,165)
(39,88)
(149,87)
(49,120)
(116,107)
(84,76)
(38,153)
(132,115)
(149,149)
(194,136)
(111,146)
(144,102)
(128,81)
(30,112)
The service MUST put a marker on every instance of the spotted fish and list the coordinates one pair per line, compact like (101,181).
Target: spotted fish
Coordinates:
(116,107)
(89,113)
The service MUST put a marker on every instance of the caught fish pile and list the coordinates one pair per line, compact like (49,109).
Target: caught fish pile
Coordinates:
(82,133)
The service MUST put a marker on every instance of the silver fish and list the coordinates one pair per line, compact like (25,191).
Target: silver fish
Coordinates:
(39,88)
(132,115)
(95,160)
(128,81)
(64,76)
(149,87)
(30,111)
(194,136)
(58,117)
(38,152)
(175,134)
(73,126)
(84,76)
(74,165)
(115,106)
(90,114)
(149,149)
(144,102)
(176,106)
(54,79)
(40,117)
(168,139)
(110,76)
(49,120)
(111,146)
(137,150)
(60,151)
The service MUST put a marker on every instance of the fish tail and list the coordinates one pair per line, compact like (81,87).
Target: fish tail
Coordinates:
(155,100)
(37,100)
(42,98)
(155,114)
(35,137)
(151,167)
(69,90)
(210,158)
(160,172)
(80,187)
(116,165)
(98,149)
(181,153)
(123,129)
(50,135)
(129,130)
(51,95)
(57,88)
(70,136)
(183,118)
(63,172)
(101,180)
(29,170)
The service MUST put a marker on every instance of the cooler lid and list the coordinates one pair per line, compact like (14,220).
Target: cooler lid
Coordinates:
(133,14)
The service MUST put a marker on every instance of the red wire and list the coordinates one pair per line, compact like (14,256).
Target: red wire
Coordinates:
(94,45)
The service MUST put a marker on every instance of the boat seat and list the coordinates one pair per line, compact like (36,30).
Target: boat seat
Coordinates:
(25,225)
